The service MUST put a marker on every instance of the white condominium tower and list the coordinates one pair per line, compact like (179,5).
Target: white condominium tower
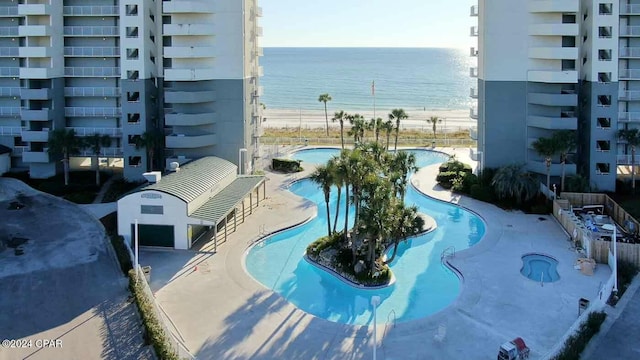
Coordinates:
(550,65)
(186,70)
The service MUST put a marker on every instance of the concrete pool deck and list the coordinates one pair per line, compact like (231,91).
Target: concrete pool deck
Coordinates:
(220,312)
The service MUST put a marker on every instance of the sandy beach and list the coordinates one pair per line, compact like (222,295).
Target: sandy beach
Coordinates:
(452,120)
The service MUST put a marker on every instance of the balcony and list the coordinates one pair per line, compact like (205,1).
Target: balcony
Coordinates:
(189,97)
(473,93)
(35,135)
(556,53)
(474,10)
(34,9)
(6,111)
(35,52)
(189,74)
(554,6)
(473,113)
(558,99)
(259,51)
(91,10)
(629,117)
(629,95)
(188,7)
(189,52)
(540,167)
(36,115)
(259,31)
(8,11)
(556,77)
(257,11)
(91,31)
(473,72)
(554,30)
(86,51)
(473,52)
(473,133)
(629,31)
(35,94)
(553,123)
(35,157)
(182,141)
(92,91)
(10,131)
(629,9)
(92,71)
(19,150)
(626,74)
(473,31)
(12,51)
(37,73)
(104,152)
(8,31)
(259,91)
(34,30)
(188,29)
(257,72)
(629,52)
(88,131)
(182,119)
(92,112)
(9,72)
(626,160)
(9,91)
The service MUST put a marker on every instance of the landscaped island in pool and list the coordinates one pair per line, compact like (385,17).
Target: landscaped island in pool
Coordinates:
(423,286)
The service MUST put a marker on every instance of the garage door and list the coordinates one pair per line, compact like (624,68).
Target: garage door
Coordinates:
(154,235)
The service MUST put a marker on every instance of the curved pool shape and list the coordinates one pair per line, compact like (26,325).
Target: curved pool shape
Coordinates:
(316,155)
(423,284)
(539,267)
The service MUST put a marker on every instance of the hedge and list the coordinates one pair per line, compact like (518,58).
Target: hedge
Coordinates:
(576,343)
(286,165)
(122,253)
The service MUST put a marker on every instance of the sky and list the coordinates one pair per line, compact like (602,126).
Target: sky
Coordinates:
(366,23)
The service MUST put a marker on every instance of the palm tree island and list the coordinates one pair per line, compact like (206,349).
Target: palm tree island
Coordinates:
(374,182)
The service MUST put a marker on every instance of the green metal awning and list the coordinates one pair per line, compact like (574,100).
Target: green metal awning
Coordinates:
(227,199)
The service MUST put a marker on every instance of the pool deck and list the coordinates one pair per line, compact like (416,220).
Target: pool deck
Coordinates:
(220,312)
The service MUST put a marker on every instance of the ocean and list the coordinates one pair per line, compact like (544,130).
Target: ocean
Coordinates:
(409,78)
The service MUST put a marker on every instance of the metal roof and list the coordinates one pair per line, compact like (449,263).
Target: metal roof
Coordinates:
(223,202)
(194,178)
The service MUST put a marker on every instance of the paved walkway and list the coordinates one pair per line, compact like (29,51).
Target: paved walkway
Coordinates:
(222,313)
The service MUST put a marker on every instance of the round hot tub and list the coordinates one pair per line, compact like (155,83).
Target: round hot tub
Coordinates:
(540,267)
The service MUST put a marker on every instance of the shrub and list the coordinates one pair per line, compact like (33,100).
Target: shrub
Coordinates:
(286,165)
(325,242)
(445,179)
(455,166)
(121,253)
(626,272)
(576,343)
(482,192)
(118,188)
(577,183)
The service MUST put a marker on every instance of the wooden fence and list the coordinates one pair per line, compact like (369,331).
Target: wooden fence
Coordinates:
(626,252)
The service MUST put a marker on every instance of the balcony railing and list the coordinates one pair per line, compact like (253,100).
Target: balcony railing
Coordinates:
(630,31)
(473,72)
(629,74)
(92,31)
(88,131)
(91,10)
(92,111)
(92,71)
(630,9)
(10,130)
(474,10)
(629,95)
(628,116)
(9,111)
(473,93)
(9,91)
(18,150)
(104,152)
(82,51)
(626,160)
(473,31)
(9,51)
(92,91)
(629,52)
(8,10)
(8,31)
(473,112)
(9,71)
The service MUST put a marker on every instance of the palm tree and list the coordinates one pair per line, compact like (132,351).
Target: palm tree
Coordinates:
(547,147)
(95,143)
(397,115)
(323,177)
(340,116)
(402,164)
(632,137)
(387,126)
(65,143)
(376,125)
(512,181)
(324,98)
(434,120)
(406,223)
(151,140)
(566,140)
(358,126)
(337,174)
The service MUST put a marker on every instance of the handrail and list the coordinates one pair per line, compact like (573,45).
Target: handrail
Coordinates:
(387,323)
(450,251)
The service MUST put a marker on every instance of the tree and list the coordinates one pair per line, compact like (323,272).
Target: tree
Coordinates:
(324,98)
(387,126)
(512,181)
(402,164)
(340,116)
(358,126)
(335,167)
(405,223)
(376,125)
(566,140)
(151,140)
(397,115)
(632,137)
(323,177)
(434,120)
(64,143)
(95,143)
(547,147)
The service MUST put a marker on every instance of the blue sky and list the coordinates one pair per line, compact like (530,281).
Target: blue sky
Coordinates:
(366,23)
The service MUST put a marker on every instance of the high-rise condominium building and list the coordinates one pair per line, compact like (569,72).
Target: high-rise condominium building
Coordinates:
(550,65)
(186,70)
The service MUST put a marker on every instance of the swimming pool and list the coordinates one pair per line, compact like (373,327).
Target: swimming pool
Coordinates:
(540,267)
(423,284)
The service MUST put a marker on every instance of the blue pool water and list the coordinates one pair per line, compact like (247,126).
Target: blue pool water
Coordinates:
(423,284)
(540,268)
(322,155)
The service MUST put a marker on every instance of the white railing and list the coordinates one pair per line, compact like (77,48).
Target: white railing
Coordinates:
(92,91)
(629,116)
(629,52)
(473,72)
(8,31)
(626,159)
(473,31)
(630,9)
(90,10)
(91,51)
(92,30)
(87,131)
(630,30)
(9,111)
(10,130)
(474,10)
(9,71)
(629,95)
(9,91)
(104,152)
(8,10)
(629,74)
(18,150)
(282,141)
(92,111)
(92,71)
(473,112)
(9,51)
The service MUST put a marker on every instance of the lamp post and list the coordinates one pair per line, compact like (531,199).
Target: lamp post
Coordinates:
(612,227)
(135,249)
(375,301)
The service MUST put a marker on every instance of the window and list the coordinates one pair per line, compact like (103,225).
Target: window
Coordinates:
(604,100)
(605,9)
(132,31)
(603,145)
(604,77)
(135,161)
(152,209)
(132,54)
(604,55)
(133,96)
(604,123)
(133,139)
(602,168)
(604,31)
(133,118)
(132,10)
(133,74)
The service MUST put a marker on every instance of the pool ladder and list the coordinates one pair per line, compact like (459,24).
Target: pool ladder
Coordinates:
(393,323)
(448,252)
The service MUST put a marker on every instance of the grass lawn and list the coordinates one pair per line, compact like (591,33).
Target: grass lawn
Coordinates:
(82,187)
